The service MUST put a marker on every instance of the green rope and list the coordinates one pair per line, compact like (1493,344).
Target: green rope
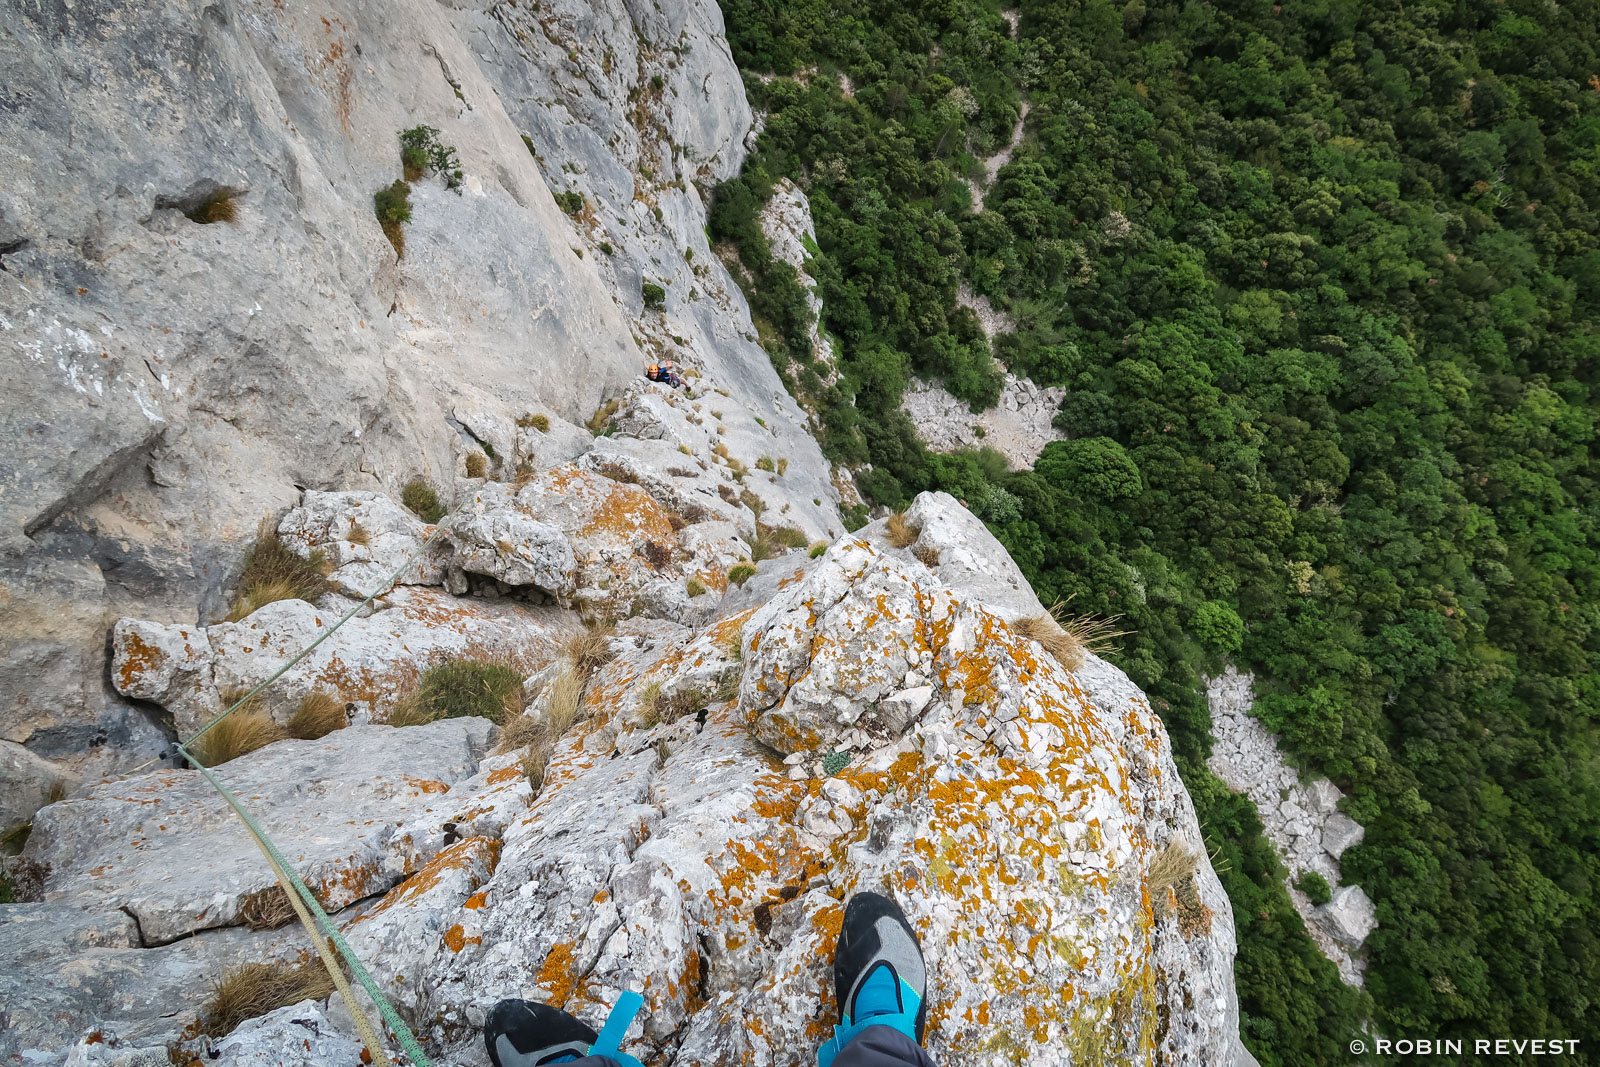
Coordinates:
(396,1025)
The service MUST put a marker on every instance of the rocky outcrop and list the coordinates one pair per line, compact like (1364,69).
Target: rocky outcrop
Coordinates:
(1302,818)
(200,326)
(786,222)
(872,721)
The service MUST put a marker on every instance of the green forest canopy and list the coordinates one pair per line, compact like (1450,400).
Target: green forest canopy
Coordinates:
(1322,281)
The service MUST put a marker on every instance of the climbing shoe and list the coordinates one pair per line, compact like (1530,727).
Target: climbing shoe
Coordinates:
(878,974)
(525,1033)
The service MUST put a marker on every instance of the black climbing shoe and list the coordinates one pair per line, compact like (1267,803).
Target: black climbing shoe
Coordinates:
(878,972)
(525,1033)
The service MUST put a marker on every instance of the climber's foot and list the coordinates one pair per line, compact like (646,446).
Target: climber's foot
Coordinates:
(878,972)
(525,1033)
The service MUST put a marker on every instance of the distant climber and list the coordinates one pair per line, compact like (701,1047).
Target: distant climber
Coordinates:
(664,372)
(878,977)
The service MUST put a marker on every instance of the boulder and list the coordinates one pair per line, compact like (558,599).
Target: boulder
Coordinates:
(562,443)
(971,562)
(677,857)
(356,811)
(27,783)
(69,974)
(1349,916)
(1339,832)
(300,1035)
(385,535)
(494,538)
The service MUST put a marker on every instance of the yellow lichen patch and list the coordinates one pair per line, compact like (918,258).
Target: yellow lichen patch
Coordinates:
(558,974)
(477,856)
(456,938)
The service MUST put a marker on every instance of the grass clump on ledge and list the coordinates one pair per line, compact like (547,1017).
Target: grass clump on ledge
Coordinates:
(271,573)
(254,989)
(243,731)
(900,532)
(538,422)
(458,688)
(318,715)
(655,297)
(220,206)
(477,465)
(570,202)
(740,573)
(419,496)
(1068,637)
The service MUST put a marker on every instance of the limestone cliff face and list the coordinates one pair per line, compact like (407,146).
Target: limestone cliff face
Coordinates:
(170,383)
(781,714)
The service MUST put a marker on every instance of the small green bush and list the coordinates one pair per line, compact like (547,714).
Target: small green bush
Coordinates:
(421,150)
(1314,886)
(655,297)
(817,549)
(571,203)
(419,496)
(462,687)
(605,246)
(392,206)
(765,463)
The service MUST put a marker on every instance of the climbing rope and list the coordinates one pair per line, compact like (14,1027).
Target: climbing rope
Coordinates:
(319,927)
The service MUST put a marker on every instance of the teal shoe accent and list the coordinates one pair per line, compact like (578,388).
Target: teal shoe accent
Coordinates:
(878,995)
(901,1017)
(609,1042)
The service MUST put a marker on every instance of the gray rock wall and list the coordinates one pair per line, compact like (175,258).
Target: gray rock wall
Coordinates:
(173,383)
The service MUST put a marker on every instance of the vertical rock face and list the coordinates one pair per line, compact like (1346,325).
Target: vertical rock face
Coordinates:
(200,315)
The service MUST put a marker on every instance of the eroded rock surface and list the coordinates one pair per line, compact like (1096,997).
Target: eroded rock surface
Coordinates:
(1301,818)
(1018,426)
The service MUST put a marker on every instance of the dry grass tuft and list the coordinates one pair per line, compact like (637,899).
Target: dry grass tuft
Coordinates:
(539,736)
(900,532)
(1069,637)
(694,587)
(318,715)
(267,909)
(254,989)
(273,572)
(220,206)
(1173,865)
(590,650)
(477,464)
(676,521)
(538,422)
(358,534)
(248,728)
(927,555)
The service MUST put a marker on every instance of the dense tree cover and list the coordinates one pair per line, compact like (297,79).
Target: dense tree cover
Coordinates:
(1322,282)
